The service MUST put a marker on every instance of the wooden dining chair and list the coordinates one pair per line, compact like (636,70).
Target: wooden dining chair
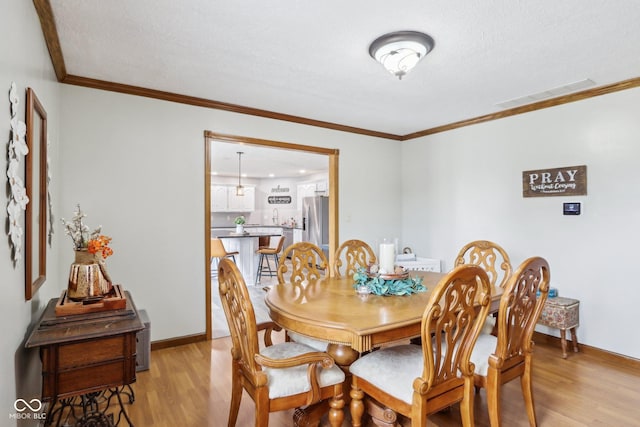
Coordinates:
(277,377)
(418,380)
(308,262)
(355,254)
(488,255)
(502,358)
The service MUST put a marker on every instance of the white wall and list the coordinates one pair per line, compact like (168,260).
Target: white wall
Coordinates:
(26,62)
(137,167)
(466,184)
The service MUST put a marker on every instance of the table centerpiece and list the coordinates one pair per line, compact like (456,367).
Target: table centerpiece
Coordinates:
(397,283)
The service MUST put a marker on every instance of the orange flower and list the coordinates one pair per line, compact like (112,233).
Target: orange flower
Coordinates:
(100,245)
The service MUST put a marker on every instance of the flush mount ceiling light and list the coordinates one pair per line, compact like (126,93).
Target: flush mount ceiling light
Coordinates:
(239,187)
(399,52)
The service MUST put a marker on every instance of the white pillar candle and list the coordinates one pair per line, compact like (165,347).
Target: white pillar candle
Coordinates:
(387,258)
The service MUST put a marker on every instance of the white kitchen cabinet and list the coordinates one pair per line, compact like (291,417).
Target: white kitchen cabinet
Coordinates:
(297,235)
(224,199)
(246,203)
(219,198)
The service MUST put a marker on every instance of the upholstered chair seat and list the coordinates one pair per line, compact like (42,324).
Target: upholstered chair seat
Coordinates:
(316,344)
(380,368)
(485,345)
(290,381)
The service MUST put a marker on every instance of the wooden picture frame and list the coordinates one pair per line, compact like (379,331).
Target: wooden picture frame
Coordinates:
(36,187)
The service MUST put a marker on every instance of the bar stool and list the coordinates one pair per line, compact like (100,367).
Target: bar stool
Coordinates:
(264,256)
(263,242)
(218,252)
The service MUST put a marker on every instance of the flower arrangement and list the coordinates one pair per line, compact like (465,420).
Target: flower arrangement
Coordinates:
(239,220)
(100,245)
(377,285)
(93,242)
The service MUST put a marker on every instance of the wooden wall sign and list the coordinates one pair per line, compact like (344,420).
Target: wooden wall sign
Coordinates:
(567,181)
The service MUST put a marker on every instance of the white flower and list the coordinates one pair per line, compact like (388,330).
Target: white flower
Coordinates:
(18,192)
(15,229)
(12,173)
(78,231)
(13,98)
(18,132)
(20,196)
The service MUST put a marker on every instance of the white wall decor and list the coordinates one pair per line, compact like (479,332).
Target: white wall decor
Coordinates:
(18,199)
(49,202)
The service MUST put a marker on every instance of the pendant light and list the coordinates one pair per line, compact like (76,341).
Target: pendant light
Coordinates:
(239,187)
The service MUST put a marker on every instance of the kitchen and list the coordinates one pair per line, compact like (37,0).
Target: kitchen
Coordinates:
(276,184)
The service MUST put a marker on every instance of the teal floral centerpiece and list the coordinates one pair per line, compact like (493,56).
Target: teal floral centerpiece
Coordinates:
(392,284)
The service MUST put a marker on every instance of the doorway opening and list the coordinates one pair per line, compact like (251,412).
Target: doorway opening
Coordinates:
(210,138)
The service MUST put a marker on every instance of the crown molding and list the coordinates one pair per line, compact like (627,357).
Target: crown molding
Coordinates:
(47,22)
(540,105)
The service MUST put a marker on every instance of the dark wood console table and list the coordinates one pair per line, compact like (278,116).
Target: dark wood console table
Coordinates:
(87,360)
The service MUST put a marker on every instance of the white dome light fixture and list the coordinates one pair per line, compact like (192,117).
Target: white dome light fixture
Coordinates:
(400,51)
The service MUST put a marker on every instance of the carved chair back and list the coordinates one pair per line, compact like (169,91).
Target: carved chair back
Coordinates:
(355,254)
(240,315)
(308,262)
(488,255)
(520,308)
(502,359)
(451,324)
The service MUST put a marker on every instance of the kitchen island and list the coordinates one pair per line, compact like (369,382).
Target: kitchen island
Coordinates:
(246,245)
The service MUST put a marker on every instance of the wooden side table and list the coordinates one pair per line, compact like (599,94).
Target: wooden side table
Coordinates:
(87,358)
(562,313)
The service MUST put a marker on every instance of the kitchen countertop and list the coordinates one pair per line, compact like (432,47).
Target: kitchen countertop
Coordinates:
(231,235)
(257,226)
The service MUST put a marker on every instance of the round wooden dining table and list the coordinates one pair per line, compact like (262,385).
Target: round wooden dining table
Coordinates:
(330,309)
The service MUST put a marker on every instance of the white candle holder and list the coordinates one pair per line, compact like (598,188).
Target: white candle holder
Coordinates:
(387,257)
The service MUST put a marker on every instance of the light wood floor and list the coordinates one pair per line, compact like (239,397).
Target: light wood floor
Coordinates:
(189,386)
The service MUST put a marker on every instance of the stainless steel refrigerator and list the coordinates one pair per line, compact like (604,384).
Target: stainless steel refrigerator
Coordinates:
(315,221)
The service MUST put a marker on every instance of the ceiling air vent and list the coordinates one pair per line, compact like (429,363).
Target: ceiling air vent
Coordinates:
(550,93)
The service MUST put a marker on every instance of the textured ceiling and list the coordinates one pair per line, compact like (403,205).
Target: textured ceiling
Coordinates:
(310,59)
(265,162)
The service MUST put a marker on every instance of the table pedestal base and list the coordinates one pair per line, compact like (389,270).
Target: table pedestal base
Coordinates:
(343,355)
